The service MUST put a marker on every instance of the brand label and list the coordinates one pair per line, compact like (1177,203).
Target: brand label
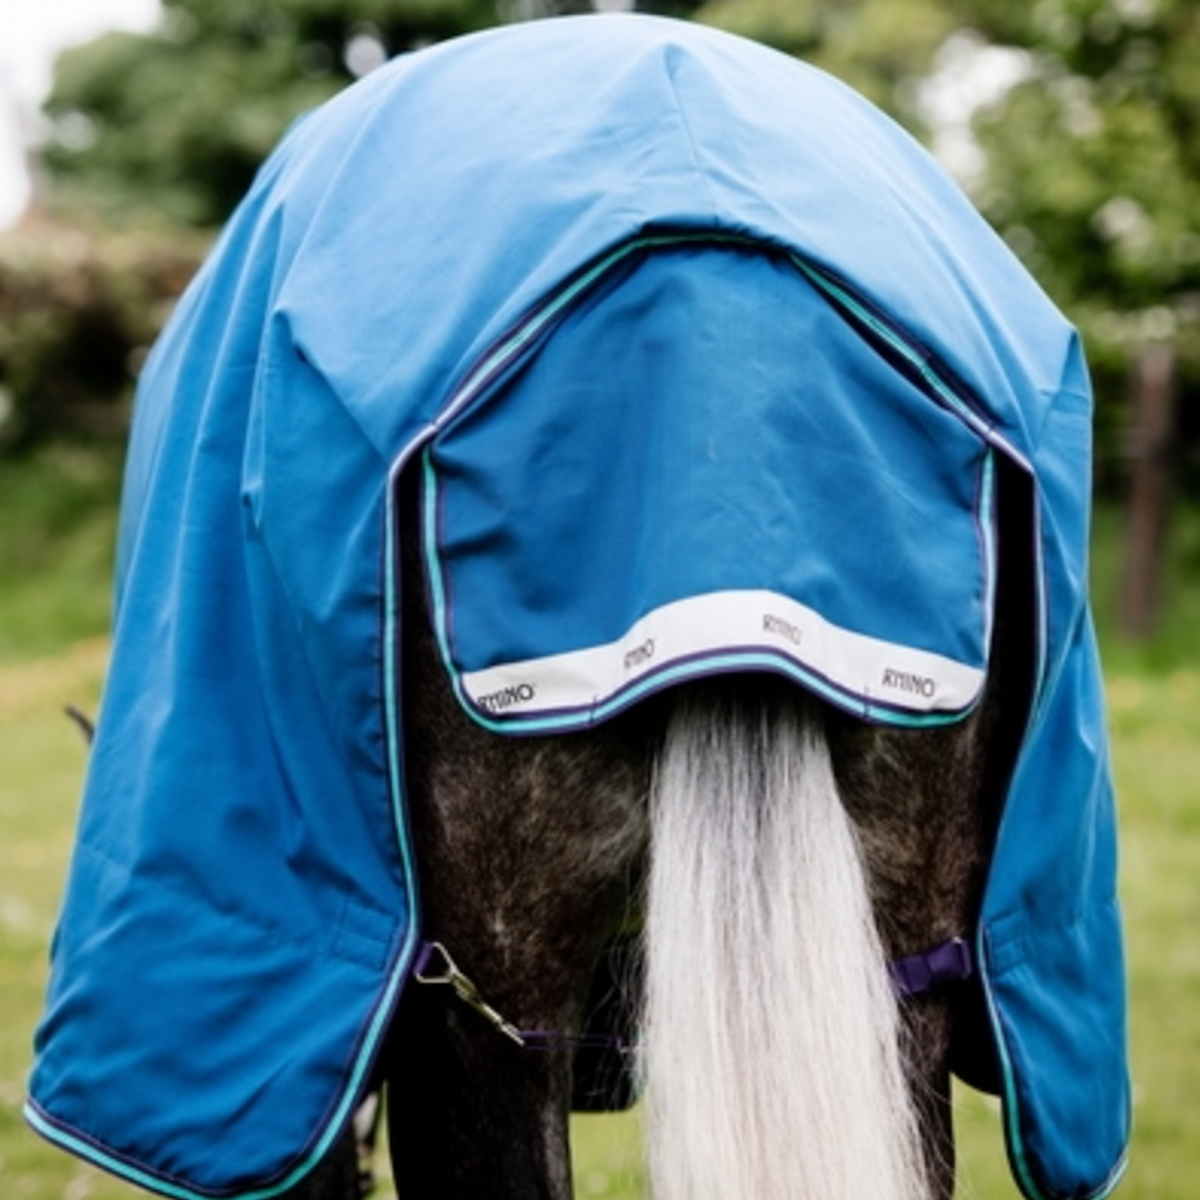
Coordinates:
(639,655)
(509,697)
(905,681)
(782,628)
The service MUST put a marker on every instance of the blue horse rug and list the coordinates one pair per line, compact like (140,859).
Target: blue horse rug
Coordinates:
(705,366)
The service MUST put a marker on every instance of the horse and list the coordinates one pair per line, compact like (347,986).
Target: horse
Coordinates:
(769,854)
(642,644)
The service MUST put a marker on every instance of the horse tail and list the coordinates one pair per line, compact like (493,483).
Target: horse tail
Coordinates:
(773,1066)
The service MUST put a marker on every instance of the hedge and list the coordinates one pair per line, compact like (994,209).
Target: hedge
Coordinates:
(78,310)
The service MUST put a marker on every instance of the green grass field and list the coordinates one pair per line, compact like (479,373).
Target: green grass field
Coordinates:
(55,540)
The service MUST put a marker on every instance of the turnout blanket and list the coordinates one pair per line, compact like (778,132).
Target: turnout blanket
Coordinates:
(705,366)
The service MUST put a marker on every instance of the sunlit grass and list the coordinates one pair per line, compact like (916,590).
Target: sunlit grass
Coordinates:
(41,761)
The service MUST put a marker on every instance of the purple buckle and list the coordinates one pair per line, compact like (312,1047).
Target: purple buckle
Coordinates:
(951,962)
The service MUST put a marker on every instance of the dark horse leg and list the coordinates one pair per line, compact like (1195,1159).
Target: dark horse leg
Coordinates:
(532,850)
(530,853)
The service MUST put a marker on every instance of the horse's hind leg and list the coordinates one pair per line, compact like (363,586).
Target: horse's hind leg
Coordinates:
(528,851)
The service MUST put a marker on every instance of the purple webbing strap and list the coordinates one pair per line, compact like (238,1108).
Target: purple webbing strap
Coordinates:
(548,1039)
(425,952)
(951,962)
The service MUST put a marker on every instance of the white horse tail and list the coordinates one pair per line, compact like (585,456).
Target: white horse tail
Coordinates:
(773,1065)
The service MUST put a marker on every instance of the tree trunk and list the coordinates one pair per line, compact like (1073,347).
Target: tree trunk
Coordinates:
(1151,446)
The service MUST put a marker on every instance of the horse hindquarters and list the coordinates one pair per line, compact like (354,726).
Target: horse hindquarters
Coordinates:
(773,1055)
(530,852)
(772,1064)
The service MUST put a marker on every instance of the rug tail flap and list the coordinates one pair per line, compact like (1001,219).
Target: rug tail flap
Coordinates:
(703,468)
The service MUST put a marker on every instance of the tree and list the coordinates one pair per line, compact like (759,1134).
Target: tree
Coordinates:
(1094,158)
(170,127)
(1093,176)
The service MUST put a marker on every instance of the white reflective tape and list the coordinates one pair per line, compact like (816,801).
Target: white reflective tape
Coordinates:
(724,625)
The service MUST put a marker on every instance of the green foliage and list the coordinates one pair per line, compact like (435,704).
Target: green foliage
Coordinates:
(170,127)
(1093,176)
(1094,160)
(78,310)
(167,131)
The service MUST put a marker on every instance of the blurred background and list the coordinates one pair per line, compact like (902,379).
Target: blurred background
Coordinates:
(130,128)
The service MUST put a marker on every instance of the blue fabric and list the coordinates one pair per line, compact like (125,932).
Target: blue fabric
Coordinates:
(704,427)
(644,265)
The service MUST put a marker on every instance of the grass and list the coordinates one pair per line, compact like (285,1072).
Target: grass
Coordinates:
(55,543)
(57,522)
(41,760)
